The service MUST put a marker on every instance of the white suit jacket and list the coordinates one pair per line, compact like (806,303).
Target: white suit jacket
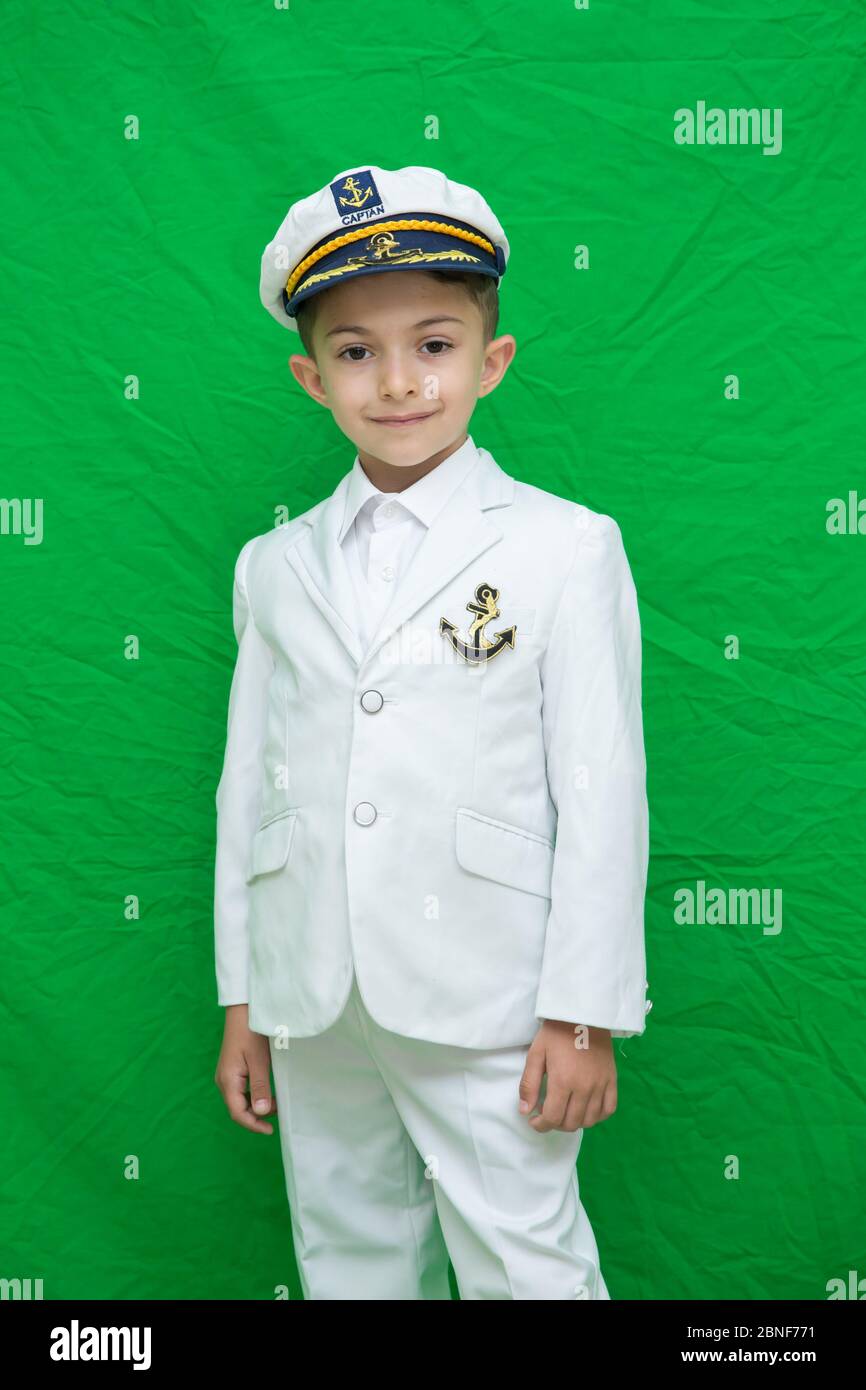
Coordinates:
(460,812)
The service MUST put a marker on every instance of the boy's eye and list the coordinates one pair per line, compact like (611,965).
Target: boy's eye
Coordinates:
(437,344)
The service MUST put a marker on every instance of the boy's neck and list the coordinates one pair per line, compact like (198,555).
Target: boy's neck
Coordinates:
(388,477)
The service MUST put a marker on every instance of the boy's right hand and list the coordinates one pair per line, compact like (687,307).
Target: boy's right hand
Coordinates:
(245,1057)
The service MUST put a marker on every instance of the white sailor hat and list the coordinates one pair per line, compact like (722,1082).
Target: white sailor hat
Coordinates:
(367,220)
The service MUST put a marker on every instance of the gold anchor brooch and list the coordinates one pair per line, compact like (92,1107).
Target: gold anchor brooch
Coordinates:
(477,648)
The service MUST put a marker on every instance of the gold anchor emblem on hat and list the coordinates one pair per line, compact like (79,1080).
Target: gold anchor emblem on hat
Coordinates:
(476,648)
(359,194)
(385,247)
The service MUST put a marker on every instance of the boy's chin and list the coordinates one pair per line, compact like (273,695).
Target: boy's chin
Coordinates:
(403,445)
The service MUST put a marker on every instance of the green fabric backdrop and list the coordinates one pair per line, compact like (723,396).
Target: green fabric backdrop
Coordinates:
(141,258)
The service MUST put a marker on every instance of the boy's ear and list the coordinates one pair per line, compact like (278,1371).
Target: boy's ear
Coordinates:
(497,357)
(306,373)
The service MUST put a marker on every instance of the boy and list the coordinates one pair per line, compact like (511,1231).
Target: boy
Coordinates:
(431,820)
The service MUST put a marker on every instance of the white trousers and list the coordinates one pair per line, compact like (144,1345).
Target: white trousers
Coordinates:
(393,1146)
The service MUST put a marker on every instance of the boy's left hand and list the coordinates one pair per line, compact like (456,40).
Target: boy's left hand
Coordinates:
(581,1077)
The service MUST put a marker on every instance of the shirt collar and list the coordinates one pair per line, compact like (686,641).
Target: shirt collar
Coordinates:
(425,499)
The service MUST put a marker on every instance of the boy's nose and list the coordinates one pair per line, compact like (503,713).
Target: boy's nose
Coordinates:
(397,378)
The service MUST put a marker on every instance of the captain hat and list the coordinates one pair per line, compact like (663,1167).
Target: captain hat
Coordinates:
(367,220)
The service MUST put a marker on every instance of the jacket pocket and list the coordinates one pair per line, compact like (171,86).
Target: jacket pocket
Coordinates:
(272,843)
(494,849)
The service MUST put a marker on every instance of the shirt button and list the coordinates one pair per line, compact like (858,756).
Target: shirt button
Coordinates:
(388,572)
(365,813)
(372,701)
(389,510)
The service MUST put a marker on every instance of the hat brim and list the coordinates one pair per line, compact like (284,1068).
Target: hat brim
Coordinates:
(393,244)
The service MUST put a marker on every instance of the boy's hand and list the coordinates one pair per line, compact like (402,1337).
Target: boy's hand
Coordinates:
(245,1056)
(581,1076)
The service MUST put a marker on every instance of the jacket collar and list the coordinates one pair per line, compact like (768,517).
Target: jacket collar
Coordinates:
(425,499)
(459,532)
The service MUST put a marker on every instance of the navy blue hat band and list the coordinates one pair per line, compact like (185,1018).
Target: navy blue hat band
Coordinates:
(416,240)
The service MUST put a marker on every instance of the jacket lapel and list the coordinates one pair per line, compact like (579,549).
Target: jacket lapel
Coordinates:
(317,558)
(461,532)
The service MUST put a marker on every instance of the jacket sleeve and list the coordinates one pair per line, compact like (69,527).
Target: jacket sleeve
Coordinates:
(238,795)
(594,964)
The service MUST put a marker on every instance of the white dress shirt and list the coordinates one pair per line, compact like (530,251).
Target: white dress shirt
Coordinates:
(381,531)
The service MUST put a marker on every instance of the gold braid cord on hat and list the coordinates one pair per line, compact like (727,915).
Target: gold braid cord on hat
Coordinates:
(385,248)
(412,255)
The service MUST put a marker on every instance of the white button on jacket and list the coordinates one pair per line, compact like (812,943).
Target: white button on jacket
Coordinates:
(478,846)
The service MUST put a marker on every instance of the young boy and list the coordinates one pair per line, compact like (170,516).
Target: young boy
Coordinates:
(431,820)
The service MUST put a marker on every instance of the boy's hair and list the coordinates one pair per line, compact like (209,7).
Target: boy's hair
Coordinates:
(484,289)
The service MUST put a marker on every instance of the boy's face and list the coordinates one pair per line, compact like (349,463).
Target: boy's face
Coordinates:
(404,344)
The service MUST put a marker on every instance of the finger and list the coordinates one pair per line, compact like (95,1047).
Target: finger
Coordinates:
(610,1100)
(261,1096)
(574,1114)
(553,1110)
(530,1081)
(237,1103)
(593,1109)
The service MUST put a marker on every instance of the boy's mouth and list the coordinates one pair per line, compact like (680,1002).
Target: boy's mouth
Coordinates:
(398,420)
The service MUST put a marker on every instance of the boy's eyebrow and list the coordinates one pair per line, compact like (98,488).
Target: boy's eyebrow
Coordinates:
(422,323)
